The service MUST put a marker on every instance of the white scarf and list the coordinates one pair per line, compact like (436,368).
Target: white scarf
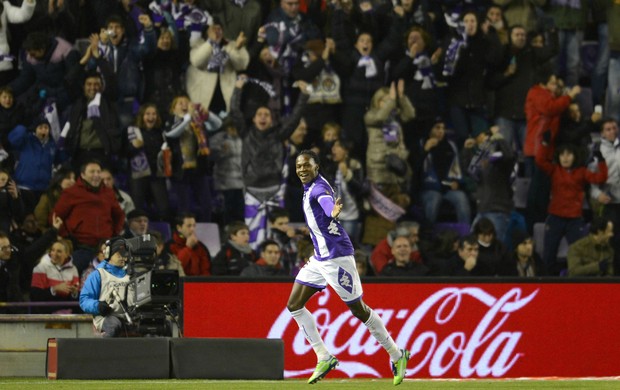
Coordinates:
(369,64)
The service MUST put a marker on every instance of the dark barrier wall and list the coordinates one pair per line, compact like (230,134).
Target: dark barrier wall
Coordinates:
(482,329)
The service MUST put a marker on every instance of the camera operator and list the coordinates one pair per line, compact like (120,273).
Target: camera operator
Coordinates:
(104,294)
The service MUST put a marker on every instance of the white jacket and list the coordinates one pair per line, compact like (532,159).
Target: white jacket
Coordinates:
(611,154)
(12,14)
(201,83)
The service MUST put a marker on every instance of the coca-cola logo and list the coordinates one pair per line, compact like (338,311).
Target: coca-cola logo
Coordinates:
(490,349)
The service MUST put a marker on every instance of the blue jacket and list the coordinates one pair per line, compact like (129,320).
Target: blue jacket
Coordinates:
(89,296)
(34,168)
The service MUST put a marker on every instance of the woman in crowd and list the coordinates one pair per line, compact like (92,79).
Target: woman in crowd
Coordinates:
(148,182)
(62,179)
(55,278)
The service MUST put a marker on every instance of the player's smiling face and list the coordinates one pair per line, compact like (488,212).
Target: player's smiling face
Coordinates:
(306,168)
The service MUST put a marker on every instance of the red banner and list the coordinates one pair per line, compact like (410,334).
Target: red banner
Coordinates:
(483,330)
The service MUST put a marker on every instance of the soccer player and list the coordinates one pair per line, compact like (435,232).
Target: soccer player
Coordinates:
(333,263)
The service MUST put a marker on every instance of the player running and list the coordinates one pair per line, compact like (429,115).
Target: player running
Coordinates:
(332,264)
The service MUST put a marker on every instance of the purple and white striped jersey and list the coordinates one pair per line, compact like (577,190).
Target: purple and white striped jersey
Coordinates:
(329,238)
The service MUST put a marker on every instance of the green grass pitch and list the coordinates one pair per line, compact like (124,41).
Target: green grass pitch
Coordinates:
(339,384)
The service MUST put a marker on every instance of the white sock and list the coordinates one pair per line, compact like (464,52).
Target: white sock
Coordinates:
(379,332)
(306,323)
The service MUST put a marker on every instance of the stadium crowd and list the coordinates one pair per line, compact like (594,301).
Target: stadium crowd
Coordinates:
(459,134)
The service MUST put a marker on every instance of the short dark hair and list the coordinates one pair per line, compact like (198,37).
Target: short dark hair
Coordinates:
(181,217)
(114,19)
(604,121)
(312,154)
(88,162)
(484,226)
(469,239)
(599,224)
(278,212)
(234,227)
(263,245)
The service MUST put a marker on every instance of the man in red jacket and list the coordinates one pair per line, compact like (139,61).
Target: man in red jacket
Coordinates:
(544,105)
(90,213)
(184,244)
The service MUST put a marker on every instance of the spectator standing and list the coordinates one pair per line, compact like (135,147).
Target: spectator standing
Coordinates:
(601,67)
(90,213)
(543,110)
(471,53)
(513,78)
(11,14)
(567,190)
(48,65)
(347,175)
(148,182)
(164,69)
(125,56)
(490,161)
(38,155)
(263,177)
(605,198)
(524,13)
(215,62)
(226,153)
(570,18)
(440,176)
(62,179)
(612,100)
(94,130)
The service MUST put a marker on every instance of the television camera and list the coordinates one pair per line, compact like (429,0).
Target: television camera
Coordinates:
(152,293)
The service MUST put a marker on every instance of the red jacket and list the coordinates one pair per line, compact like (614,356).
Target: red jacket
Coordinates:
(543,111)
(196,260)
(88,215)
(567,185)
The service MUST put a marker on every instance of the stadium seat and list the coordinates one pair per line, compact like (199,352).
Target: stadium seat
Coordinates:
(162,227)
(209,234)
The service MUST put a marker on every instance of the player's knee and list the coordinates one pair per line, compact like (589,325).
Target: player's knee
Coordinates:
(360,311)
(294,306)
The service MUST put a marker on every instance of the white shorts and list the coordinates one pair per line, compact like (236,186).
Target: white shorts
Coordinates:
(340,273)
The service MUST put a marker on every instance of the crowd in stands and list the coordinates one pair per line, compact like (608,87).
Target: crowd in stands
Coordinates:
(489,117)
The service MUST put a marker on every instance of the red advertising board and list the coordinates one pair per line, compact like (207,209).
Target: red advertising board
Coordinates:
(477,330)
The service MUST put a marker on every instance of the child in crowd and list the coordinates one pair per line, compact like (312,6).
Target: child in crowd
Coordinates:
(236,253)
(38,155)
